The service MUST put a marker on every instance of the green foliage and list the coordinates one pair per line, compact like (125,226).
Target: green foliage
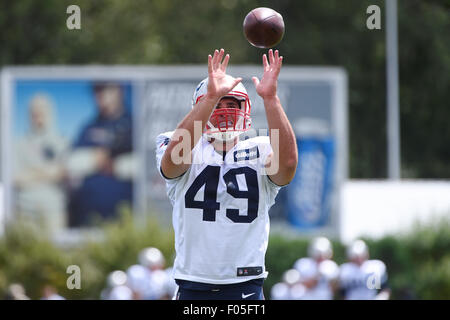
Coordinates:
(27,256)
(433,279)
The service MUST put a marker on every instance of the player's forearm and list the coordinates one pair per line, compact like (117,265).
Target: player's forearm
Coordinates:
(177,157)
(285,149)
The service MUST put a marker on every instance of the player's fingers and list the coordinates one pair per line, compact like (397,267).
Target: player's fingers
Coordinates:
(265,62)
(219,58)
(225,62)
(271,58)
(279,59)
(255,81)
(214,60)
(276,56)
(279,64)
(235,83)
(209,64)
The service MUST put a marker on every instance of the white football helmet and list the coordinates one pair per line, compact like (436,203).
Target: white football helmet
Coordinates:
(280,291)
(358,250)
(320,248)
(329,270)
(138,280)
(151,258)
(230,122)
(307,269)
(116,278)
(291,277)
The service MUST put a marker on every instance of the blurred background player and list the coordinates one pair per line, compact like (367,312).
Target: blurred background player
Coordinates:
(116,287)
(162,284)
(288,287)
(101,162)
(38,168)
(310,287)
(16,291)
(50,293)
(361,278)
(320,252)
(139,282)
(148,279)
(171,286)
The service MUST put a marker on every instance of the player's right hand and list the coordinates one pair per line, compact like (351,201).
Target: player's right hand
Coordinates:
(219,82)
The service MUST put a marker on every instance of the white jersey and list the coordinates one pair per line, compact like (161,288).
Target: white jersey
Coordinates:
(139,280)
(280,291)
(326,271)
(301,292)
(120,293)
(220,212)
(362,282)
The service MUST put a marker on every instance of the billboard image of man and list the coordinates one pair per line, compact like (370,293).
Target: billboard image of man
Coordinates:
(38,168)
(100,164)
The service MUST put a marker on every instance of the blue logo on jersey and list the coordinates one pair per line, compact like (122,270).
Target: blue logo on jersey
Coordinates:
(246,154)
(199,86)
(165,142)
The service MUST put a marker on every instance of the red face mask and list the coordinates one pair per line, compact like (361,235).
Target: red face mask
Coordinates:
(231,116)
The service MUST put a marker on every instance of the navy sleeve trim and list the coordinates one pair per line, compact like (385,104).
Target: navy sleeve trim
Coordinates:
(160,170)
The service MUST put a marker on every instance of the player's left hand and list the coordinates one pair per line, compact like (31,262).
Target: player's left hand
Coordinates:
(267,87)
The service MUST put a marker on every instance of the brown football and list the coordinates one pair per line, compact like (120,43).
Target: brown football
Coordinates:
(263,27)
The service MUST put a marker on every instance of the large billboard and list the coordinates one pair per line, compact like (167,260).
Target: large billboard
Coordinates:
(78,143)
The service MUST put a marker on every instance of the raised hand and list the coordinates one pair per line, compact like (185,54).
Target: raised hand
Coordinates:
(267,87)
(219,82)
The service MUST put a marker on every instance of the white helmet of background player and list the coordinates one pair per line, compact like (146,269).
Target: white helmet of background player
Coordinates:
(291,277)
(320,249)
(152,258)
(230,122)
(116,278)
(308,271)
(358,251)
(117,287)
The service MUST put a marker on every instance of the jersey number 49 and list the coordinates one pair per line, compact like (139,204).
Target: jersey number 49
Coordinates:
(209,178)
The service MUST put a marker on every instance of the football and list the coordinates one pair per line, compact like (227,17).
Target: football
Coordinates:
(263,27)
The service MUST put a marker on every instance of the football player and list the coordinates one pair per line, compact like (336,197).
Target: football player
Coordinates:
(116,287)
(320,253)
(221,187)
(162,285)
(286,289)
(309,288)
(138,280)
(148,279)
(361,278)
